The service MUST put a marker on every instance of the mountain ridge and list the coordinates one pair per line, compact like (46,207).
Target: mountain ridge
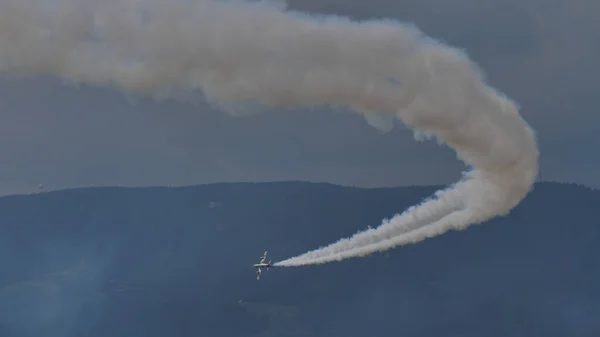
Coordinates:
(288,182)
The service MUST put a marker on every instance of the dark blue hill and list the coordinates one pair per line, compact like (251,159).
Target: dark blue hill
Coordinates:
(145,262)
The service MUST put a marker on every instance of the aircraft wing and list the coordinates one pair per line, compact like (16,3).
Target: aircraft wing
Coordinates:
(264,257)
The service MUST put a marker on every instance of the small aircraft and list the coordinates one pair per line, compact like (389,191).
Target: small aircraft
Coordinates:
(262,264)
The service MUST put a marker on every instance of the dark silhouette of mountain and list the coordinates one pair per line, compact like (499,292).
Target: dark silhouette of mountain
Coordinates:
(146,262)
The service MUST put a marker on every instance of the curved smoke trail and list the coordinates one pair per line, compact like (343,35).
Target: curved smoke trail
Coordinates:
(239,53)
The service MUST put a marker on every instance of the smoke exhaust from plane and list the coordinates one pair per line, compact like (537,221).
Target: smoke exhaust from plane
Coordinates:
(240,54)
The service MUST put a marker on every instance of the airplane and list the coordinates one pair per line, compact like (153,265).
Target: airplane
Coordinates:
(262,264)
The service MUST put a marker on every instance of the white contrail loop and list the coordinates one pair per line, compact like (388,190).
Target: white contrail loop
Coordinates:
(241,54)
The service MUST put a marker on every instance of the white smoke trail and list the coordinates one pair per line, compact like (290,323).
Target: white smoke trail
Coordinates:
(239,53)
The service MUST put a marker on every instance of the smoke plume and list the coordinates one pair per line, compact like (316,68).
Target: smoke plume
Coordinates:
(242,54)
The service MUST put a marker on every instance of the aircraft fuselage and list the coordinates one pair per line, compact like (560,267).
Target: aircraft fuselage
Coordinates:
(263,265)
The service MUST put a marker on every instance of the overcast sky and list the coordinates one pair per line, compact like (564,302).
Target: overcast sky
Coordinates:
(541,53)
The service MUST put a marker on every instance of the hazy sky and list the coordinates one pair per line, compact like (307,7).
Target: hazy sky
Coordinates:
(543,54)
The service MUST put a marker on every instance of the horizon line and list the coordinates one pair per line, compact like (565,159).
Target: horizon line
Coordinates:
(89,187)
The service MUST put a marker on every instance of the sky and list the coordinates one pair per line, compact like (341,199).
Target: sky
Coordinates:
(542,54)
